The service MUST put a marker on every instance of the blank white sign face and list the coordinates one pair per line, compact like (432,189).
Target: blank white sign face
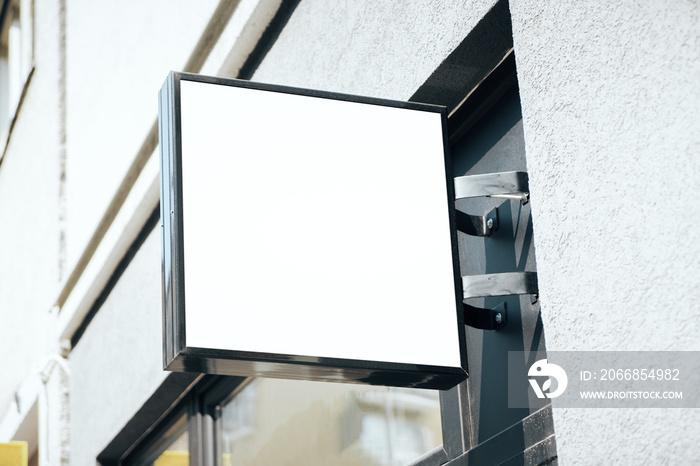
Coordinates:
(315,227)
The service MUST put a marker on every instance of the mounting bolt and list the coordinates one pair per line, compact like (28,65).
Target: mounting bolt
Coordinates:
(489,223)
(499,318)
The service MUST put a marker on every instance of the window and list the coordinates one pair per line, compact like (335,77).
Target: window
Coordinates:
(325,423)
(15,61)
(232,421)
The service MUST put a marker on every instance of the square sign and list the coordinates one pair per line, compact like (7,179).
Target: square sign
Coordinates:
(307,235)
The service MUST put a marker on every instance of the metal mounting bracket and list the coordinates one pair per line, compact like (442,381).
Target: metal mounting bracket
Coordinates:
(499,284)
(495,284)
(477,225)
(503,185)
(485,319)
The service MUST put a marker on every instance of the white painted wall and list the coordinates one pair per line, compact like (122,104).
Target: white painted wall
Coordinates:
(29,216)
(611,110)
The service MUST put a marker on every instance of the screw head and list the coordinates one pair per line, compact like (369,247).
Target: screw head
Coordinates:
(489,223)
(499,318)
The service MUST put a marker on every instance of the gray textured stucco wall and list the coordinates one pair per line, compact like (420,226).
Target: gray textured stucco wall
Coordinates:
(610,97)
(381,49)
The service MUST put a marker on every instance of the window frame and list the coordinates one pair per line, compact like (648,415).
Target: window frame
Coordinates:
(11,102)
(200,407)
(165,433)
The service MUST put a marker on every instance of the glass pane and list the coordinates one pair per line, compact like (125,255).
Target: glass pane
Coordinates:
(171,450)
(290,422)
(177,453)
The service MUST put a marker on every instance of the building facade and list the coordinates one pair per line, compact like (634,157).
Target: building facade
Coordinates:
(599,103)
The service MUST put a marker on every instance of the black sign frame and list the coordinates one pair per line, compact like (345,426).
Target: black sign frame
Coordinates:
(178,357)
